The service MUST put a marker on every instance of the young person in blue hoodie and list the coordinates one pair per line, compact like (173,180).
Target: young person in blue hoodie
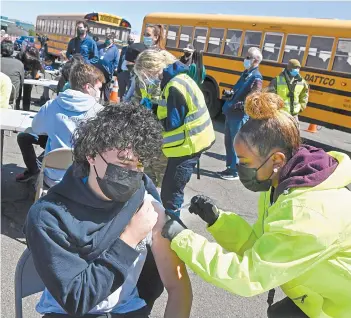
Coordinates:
(55,122)
(83,44)
(182,110)
(96,237)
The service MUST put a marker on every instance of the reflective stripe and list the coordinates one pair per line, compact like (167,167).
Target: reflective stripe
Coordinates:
(177,137)
(189,89)
(200,128)
(200,111)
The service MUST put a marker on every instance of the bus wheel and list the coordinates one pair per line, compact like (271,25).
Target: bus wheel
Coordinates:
(214,105)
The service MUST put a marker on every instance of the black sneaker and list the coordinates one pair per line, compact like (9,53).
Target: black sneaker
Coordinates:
(228,175)
(26,176)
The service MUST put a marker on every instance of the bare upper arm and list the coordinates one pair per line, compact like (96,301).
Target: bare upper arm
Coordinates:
(172,270)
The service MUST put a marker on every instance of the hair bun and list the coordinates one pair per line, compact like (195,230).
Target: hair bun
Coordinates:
(263,105)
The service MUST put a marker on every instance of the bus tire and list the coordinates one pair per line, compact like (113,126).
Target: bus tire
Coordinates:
(214,105)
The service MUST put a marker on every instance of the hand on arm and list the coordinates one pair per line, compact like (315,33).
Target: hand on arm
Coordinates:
(140,225)
(172,271)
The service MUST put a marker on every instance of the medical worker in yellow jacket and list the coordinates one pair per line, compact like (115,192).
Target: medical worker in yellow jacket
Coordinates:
(182,110)
(302,238)
(292,88)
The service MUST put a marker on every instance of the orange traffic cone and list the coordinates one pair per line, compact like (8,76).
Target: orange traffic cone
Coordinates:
(114,93)
(312,128)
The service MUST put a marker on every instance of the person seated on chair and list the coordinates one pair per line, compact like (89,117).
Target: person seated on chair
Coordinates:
(90,236)
(53,125)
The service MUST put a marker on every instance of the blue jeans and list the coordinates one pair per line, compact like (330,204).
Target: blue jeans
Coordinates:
(233,123)
(177,175)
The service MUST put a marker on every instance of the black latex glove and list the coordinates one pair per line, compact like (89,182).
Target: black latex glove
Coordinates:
(205,208)
(173,226)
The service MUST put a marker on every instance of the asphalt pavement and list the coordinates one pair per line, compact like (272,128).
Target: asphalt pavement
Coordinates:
(208,301)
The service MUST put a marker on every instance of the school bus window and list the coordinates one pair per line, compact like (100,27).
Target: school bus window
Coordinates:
(103,31)
(200,38)
(172,35)
(99,31)
(215,41)
(232,42)
(271,46)
(125,34)
(185,36)
(295,47)
(64,26)
(252,39)
(117,34)
(68,28)
(55,26)
(342,60)
(73,28)
(319,52)
(59,27)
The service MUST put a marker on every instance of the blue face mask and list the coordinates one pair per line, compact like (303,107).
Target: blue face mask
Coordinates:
(148,41)
(247,64)
(294,72)
(152,82)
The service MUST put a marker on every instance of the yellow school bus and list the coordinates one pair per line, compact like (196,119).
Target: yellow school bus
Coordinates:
(60,28)
(322,46)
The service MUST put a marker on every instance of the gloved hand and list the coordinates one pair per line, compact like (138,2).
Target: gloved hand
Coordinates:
(172,227)
(205,208)
(146,102)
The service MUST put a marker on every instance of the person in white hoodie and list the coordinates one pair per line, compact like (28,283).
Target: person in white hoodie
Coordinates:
(55,122)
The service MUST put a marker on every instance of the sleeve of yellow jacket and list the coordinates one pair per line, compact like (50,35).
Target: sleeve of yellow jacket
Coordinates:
(293,241)
(233,233)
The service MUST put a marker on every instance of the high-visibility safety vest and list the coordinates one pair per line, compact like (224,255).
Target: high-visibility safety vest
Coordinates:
(151,92)
(284,93)
(196,134)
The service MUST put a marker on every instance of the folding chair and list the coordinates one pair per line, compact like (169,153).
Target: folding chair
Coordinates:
(27,281)
(60,159)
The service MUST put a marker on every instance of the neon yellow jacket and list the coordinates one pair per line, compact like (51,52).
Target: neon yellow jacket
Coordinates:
(302,243)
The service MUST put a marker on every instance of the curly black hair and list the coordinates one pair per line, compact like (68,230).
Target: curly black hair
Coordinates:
(117,127)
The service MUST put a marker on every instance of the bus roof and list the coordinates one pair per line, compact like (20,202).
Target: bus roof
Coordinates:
(207,19)
(75,15)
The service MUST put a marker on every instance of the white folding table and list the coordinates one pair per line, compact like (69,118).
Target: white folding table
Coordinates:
(44,82)
(14,120)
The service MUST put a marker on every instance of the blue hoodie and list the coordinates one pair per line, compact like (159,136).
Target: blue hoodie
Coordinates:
(58,119)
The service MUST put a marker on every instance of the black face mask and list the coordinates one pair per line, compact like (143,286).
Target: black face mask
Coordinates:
(130,42)
(187,54)
(119,184)
(248,177)
(80,31)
